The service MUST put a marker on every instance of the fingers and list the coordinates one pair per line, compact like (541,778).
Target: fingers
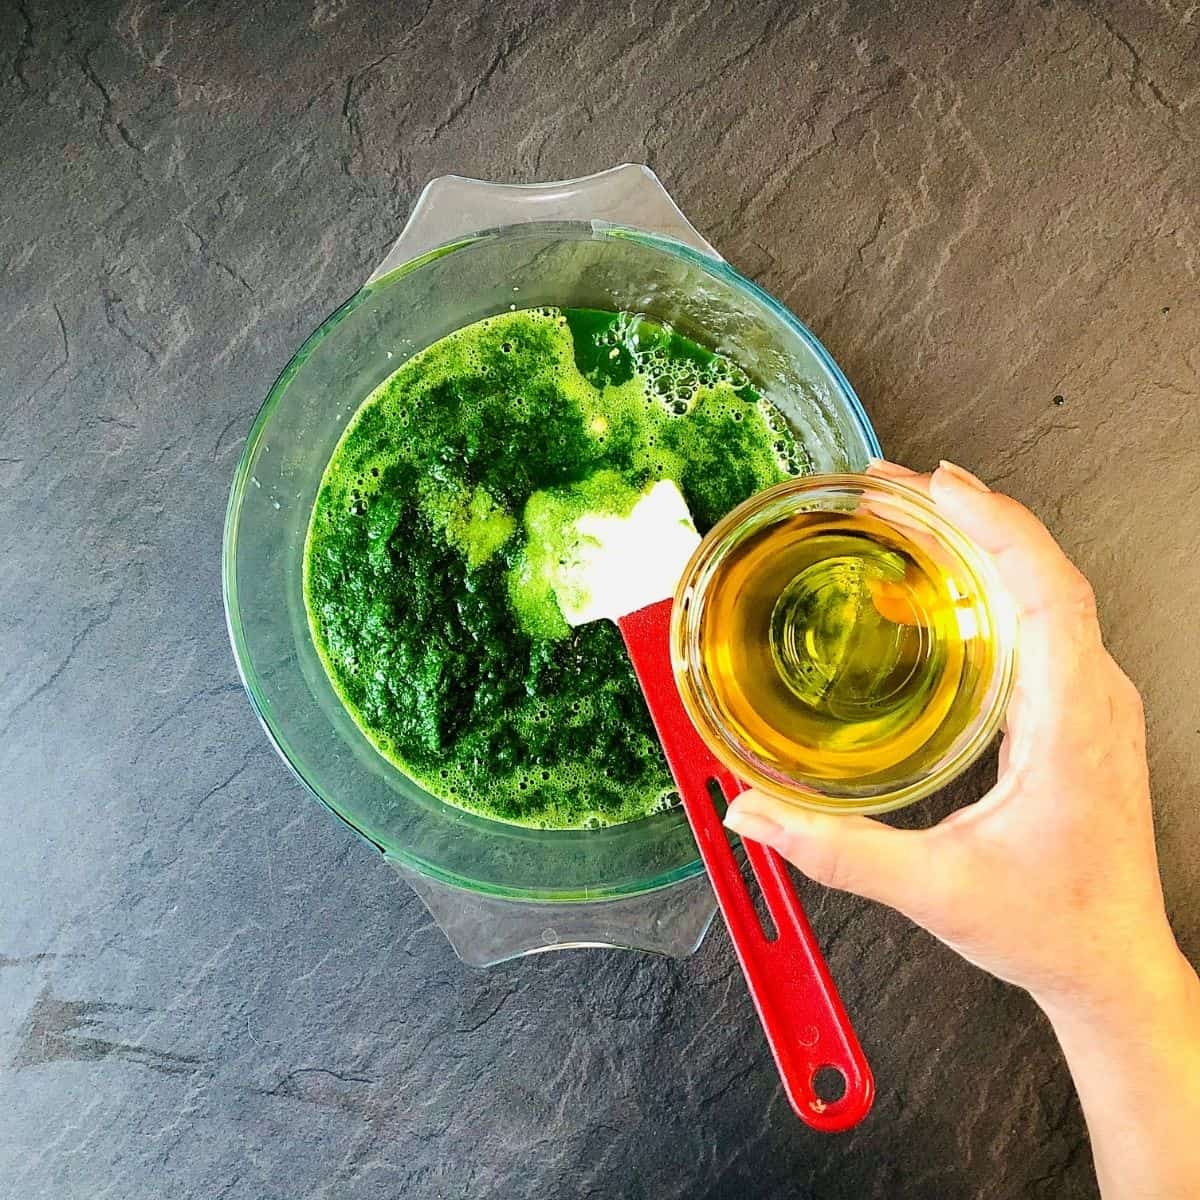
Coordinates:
(1059,631)
(890,470)
(1060,634)
(1037,574)
(1045,585)
(854,854)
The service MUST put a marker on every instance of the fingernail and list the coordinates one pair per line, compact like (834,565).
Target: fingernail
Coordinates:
(963,476)
(753,825)
(881,466)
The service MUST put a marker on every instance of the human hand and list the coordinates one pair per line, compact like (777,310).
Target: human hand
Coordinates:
(1050,881)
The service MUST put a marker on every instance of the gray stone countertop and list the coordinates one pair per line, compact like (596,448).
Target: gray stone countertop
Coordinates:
(208,987)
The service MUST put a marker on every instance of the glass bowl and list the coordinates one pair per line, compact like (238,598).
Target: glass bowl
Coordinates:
(533,262)
(980,681)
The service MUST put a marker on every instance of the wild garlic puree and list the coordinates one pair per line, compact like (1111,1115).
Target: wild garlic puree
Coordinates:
(440,515)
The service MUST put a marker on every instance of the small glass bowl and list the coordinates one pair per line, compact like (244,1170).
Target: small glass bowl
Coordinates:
(983,687)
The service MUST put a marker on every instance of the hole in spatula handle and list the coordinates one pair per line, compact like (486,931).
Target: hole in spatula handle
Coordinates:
(717,796)
(829,1084)
(766,922)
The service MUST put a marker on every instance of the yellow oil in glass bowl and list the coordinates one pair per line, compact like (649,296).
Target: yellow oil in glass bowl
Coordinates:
(838,643)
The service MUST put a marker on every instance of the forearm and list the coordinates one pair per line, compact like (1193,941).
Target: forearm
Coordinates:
(1135,1059)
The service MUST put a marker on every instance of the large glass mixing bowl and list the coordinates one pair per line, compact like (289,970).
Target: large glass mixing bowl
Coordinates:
(523,260)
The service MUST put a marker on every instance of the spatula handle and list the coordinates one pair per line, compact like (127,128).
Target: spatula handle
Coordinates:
(801,1013)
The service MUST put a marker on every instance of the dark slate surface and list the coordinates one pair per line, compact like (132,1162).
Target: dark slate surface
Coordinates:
(208,988)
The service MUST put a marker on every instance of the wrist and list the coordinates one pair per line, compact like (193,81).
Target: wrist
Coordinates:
(1155,978)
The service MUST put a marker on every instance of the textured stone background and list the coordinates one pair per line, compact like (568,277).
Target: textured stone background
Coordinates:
(208,988)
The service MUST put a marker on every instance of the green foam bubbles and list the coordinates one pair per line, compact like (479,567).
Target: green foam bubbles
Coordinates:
(442,513)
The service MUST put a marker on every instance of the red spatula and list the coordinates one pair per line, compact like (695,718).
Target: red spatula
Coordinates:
(624,569)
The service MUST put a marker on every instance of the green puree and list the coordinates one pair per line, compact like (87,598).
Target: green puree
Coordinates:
(431,540)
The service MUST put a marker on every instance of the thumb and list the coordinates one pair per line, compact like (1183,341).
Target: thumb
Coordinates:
(852,854)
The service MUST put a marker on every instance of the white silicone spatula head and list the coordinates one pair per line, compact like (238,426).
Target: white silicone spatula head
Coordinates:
(615,565)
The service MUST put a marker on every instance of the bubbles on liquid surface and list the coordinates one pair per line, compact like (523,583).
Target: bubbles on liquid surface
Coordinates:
(667,386)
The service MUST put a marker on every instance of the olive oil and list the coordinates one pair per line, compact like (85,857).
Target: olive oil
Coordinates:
(839,646)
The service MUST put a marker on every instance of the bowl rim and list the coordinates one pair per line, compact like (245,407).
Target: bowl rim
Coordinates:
(584,230)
